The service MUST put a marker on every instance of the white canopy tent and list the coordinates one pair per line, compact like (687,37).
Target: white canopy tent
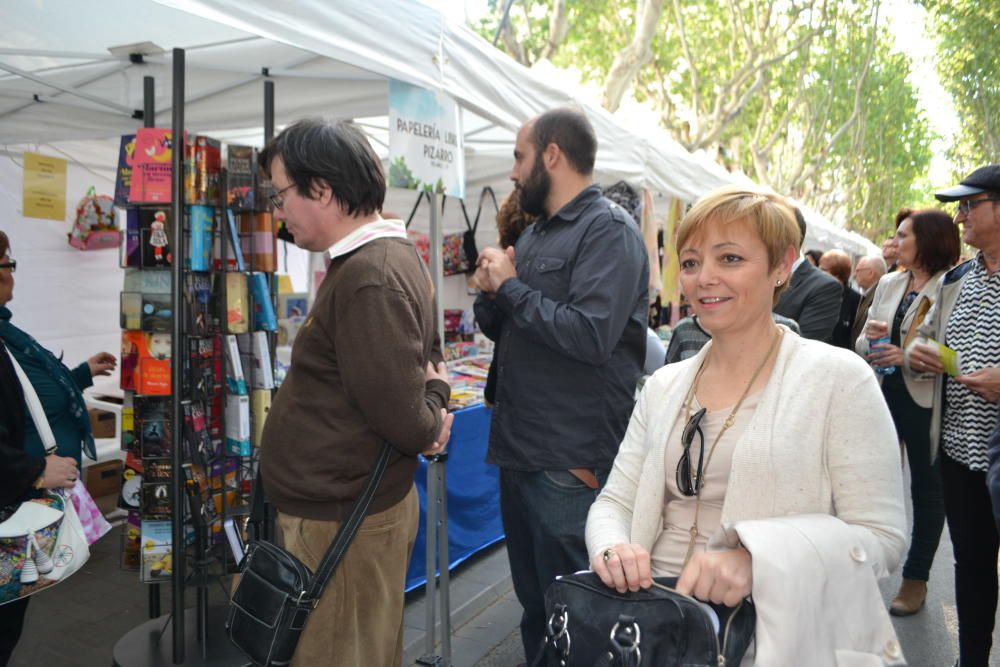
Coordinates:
(329,59)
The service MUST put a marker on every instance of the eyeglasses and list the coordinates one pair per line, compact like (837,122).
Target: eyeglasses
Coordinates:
(12,265)
(969,204)
(277,201)
(689,482)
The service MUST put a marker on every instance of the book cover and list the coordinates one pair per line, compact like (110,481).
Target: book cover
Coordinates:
(237,303)
(152,166)
(131,242)
(146,362)
(256,355)
(123,176)
(202,170)
(202,220)
(154,234)
(238,425)
(260,405)
(156,551)
(235,377)
(241,191)
(263,305)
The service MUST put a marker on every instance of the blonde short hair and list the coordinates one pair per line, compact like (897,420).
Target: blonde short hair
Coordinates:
(770,216)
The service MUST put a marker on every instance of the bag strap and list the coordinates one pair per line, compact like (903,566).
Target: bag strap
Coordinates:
(34,407)
(350,527)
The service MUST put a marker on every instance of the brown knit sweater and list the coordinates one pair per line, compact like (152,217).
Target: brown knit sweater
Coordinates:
(357,377)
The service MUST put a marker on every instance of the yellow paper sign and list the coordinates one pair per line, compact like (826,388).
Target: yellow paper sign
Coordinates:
(44,194)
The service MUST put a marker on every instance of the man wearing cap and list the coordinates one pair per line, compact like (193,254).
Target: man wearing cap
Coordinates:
(965,317)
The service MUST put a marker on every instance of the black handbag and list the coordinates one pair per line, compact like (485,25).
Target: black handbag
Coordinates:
(277,591)
(591,625)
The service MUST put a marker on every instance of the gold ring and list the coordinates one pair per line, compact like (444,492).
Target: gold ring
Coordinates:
(608,553)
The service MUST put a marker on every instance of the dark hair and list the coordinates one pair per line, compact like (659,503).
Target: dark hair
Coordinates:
(937,238)
(815,255)
(511,220)
(317,152)
(903,214)
(570,130)
(801,220)
(4,244)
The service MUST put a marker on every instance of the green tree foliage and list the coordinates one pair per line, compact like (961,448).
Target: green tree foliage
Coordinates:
(968,61)
(805,96)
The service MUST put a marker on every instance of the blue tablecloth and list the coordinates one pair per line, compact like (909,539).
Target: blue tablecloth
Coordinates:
(473,495)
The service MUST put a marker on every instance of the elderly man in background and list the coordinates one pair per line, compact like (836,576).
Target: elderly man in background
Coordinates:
(867,272)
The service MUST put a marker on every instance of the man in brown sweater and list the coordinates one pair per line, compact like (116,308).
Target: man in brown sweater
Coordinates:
(361,374)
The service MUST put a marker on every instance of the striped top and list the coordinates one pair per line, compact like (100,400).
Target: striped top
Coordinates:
(974,331)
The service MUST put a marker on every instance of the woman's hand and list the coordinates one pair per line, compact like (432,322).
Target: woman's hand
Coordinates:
(925,358)
(623,567)
(885,354)
(875,329)
(60,472)
(102,363)
(985,382)
(722,577)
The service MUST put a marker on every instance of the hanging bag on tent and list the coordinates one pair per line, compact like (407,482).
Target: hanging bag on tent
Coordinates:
(43,541)
(94,225)
(469,236)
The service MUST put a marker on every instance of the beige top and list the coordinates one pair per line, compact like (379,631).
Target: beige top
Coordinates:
(678,510)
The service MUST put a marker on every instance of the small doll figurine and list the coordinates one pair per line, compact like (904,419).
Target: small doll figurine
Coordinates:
(158,235)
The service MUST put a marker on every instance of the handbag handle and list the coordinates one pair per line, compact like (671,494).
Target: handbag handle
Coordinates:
(34,407)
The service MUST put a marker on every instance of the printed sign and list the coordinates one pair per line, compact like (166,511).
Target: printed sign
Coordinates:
(425,141)
(44,194)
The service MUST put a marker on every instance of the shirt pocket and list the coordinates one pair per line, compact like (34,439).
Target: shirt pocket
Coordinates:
(552,277)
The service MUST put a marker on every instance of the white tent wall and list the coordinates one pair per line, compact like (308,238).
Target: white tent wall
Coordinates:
(65,298)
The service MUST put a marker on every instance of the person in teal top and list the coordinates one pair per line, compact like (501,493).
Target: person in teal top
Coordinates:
(59,389)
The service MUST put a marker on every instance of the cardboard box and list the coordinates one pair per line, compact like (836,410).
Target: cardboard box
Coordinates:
(102,423)
(103,479)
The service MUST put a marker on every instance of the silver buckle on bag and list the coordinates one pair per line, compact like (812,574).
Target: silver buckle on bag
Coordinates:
(628,629)
(558,625)
(302,595)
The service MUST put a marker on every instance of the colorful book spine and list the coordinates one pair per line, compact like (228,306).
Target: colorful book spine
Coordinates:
(264,317)
(235,377)
(123,177)
(202,220)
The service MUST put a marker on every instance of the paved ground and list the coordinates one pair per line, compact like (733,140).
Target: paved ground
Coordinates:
(77,623)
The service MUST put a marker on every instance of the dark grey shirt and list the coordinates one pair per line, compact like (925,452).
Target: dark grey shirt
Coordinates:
(571,335)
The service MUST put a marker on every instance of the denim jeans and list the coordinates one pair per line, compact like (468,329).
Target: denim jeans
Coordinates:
(544,514)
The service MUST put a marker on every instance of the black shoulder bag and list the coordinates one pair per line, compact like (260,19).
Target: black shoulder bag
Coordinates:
(591,625)
(277,591)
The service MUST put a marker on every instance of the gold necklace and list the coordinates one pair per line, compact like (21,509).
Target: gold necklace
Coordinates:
(726,425)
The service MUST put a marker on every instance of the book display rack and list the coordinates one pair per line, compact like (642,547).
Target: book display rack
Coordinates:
(198,338)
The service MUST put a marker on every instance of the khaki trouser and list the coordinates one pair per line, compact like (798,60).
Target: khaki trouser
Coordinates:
(359,619)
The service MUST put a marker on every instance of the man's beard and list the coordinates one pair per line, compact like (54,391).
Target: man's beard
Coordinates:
(535,190)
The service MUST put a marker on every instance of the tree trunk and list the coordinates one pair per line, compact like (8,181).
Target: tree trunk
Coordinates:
(630,60)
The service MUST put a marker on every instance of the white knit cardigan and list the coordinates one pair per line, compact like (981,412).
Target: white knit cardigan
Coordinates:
(820,449)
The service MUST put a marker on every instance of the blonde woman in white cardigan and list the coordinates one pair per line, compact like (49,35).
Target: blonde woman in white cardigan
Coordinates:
(766,465)
(928,244)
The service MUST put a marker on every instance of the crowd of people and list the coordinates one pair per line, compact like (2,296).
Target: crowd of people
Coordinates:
(763,459)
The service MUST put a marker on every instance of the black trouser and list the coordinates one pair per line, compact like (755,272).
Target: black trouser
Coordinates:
(913,426)
(11,623)
(974,538)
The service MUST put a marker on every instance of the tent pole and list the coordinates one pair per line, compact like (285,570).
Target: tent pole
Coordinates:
(177,354)
(268,110)
(435,238)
